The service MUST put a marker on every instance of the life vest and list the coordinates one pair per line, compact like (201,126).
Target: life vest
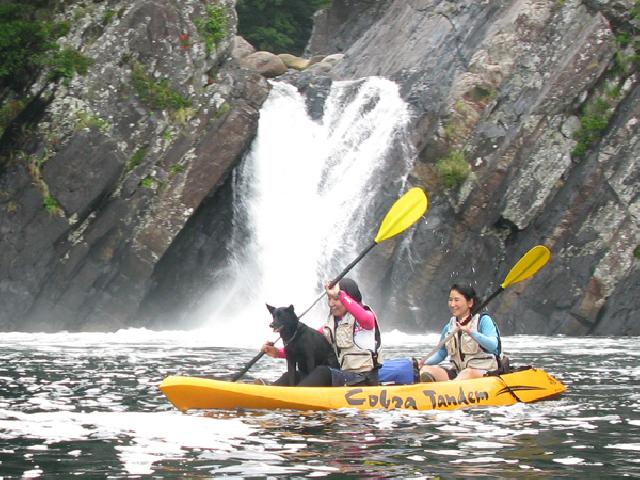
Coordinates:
(465,352)
(360,356)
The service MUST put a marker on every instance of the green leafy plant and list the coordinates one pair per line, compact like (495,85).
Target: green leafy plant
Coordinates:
(167,135)
(635,12)
(137,158)
(453,169)
(156,94)
(86,120)
(176,168)
(213,28)
(66,63)
(182,114)
(223,109)
(593,124)
(108,16)
(148,182)
(27,43)
(51,205)
(636,252)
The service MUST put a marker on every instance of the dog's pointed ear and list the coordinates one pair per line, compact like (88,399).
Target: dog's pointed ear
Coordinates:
(270,308)
(290,308)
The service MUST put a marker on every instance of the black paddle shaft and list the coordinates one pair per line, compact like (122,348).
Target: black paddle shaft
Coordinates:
(249,364)
(486,302)
(352,264)
(246,368)
(341,276)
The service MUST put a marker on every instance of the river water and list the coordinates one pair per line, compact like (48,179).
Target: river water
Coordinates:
(88,405)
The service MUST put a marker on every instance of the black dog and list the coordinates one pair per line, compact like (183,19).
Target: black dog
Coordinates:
(304,347)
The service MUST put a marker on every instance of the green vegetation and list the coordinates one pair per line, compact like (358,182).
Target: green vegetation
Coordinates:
(156,94)
(597,112)
(66,63)
(182,114)
(137,158)
(27,43)
(51,205)
(593,123)
(86,120)
(452,130)
(167,135)
(108,16)
(223,109)
(148,182)
(214,27)
(628,39)
(176,168)
(636,252)
(453,169)
(277,26)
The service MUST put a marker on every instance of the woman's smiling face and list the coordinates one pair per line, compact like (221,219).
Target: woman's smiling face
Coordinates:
(459,306)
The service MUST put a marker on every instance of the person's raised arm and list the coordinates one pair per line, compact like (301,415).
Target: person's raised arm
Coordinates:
(366,318)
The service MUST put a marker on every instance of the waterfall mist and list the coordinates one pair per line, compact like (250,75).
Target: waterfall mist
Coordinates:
(307,199)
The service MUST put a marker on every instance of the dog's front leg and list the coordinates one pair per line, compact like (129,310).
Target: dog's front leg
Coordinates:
(291,368)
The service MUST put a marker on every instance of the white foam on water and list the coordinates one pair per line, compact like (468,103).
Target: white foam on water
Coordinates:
(625,446)
(152,436)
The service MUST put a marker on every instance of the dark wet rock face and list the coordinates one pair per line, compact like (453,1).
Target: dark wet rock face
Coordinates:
(120,162)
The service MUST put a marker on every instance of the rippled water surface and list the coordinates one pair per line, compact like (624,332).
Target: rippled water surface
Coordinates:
(88,404)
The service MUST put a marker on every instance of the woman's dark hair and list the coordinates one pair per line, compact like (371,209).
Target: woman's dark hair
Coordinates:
(467,291)
(351,288)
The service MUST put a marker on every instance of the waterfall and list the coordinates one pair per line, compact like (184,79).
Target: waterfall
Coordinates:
(307,197)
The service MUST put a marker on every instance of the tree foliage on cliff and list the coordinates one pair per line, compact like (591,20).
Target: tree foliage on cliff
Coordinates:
(279,26)
(27,41)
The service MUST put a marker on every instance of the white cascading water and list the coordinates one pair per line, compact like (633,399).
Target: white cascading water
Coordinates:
(302,200)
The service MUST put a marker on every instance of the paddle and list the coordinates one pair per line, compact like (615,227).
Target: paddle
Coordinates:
(527,266)
(403,213)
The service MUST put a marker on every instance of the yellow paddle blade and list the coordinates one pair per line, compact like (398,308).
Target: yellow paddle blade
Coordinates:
(529,264)
(403,213)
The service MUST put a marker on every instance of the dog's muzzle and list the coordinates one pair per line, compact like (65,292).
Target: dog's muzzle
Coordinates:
(275,327)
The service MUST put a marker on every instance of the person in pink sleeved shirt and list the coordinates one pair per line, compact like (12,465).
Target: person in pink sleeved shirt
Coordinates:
(353,332)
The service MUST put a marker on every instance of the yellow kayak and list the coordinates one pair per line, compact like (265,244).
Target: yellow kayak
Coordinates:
(526,386)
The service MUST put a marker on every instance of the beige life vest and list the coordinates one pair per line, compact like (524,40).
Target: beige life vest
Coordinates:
(465,352)
(353,356)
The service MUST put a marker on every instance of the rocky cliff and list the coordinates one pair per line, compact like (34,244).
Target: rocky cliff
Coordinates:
(541,99)
(114,207)
(117,161)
